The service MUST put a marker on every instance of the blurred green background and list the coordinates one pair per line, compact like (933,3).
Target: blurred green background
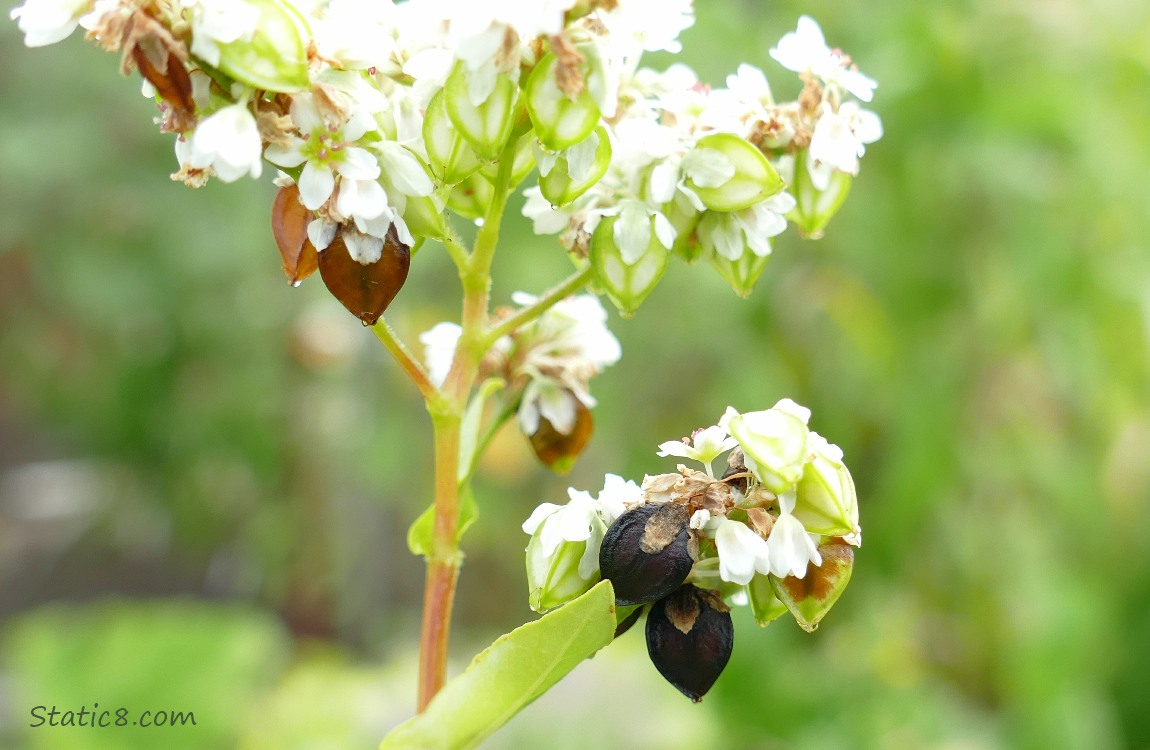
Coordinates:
(206,476)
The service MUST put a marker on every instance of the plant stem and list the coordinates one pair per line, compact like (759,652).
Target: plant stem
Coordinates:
(443,563)
(403,356)
(568,286)
(447,408)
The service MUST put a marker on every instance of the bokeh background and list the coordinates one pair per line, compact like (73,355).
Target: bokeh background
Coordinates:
(206,476)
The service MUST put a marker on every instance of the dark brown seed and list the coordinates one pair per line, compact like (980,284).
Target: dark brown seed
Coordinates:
(740,482)
(365,290)
(557,451)
(646,552)
(289,227)
(689,639)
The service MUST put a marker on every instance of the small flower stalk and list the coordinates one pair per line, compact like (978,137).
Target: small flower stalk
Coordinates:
(777,530)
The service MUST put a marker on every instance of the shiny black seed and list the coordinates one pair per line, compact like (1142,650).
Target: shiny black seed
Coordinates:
(689,639)
(646,552)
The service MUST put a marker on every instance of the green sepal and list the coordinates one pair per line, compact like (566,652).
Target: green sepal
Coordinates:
(815,208)
(521,166)
(424,217)
(275,58)
(765,606)
(626,285)
(507,676)
(810,598)
(451,156)
(472,197)
(557,185)
(561,122)
(754,178)
(741,274)
(684,217)
(488,125)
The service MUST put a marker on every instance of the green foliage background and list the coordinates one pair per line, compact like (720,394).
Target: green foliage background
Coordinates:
(206,476)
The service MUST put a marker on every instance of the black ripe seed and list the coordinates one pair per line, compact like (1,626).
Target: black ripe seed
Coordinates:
(689,639)
(646,552)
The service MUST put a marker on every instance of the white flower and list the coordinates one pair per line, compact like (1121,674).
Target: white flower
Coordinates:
(806,50)
(632,230)
(649,25)
(617,497)
(439,344)
(571,336)
(563,554)
(229,142)
(546,398)
(325,151)
(578,521)
(731,233)
(741,552)
(704,446)
(46,22)
(356,33)
(790,547)
(216,22)
(839,139)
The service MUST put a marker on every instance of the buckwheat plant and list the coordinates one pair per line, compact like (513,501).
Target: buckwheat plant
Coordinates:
(389,124)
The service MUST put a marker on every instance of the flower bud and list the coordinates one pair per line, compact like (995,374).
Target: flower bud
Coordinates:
(741,274)
(365,289)
(690,638)
(765,606)
(729,174)
(646,553)
(555,579)
(565,112)
(810,598)
(563,551)
(774,443)
(826,502)
(450,155)
(574,171)
(486,125)
(275,57)
(814,208)
(628,280)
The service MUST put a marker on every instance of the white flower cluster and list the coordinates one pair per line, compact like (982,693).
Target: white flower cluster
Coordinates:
(786,494)
(549,361)
(387,113)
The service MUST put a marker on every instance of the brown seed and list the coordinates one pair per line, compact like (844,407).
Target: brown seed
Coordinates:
(646,553)
(558,451)
(365,289)
(168,74)
(289,227)
(690,638)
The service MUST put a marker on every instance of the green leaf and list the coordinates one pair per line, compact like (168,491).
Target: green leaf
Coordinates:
(422,533)
(469,449)
(510,674)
